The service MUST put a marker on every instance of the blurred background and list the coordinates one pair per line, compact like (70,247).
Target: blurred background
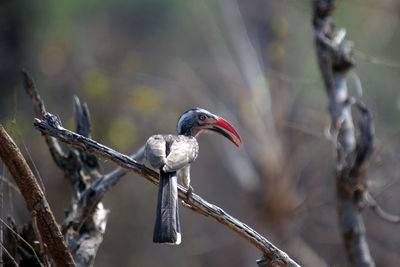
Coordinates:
(140,64)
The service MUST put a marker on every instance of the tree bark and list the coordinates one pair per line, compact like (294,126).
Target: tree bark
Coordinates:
(35,200)
(335,61)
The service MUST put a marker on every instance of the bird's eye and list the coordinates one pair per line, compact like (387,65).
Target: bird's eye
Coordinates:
(202,117)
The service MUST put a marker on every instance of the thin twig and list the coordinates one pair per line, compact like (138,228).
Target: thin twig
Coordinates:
(373,204)
(18,133)
(196,203)
(10,184)
(1,216)
(376,60)
(23,240)
(39,239)
(384,143)
(8,254)
(40,179)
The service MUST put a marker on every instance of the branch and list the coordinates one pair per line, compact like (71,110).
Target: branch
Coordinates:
(51,126)
(59,156)
(11,241)
(86,217)
(8,254)
(335,60)
(35,200)
(373,204)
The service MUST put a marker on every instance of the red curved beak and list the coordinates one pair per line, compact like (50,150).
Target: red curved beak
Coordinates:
(224,128)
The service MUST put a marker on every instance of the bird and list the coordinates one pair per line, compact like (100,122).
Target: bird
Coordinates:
(172,155)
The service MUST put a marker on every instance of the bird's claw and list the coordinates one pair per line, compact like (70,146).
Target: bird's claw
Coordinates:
(189,193)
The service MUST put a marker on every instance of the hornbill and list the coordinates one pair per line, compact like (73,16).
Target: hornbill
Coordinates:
(172,155)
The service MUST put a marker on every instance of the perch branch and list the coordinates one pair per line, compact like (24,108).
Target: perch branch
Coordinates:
(35,200)
(51,126)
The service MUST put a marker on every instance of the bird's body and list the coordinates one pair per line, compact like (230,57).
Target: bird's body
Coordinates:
(172,156)
(171,152)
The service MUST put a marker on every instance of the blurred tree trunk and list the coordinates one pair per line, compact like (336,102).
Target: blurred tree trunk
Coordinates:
(11,31)
(353,149)
(11,49)
(258,36)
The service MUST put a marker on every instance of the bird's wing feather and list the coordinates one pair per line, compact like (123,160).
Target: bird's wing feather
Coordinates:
(183,151)
(155,151)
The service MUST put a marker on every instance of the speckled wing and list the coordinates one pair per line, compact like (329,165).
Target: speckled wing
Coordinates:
(183,151)
(155,151)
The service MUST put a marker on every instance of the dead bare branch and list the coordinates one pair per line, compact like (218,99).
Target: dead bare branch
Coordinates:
(353,152)
(59,156)
(86,218)
(35,200)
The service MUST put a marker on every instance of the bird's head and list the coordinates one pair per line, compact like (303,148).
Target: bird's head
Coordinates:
(196,120)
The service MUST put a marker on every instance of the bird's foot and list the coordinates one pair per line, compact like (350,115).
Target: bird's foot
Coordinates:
(189,193)
(187,205)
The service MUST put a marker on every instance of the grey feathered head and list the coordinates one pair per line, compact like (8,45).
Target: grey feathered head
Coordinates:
(195,120)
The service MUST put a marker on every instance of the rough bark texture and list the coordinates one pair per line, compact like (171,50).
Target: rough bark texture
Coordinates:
(86,217)
(353,152)
(273,256)
(60,158)
(35,200)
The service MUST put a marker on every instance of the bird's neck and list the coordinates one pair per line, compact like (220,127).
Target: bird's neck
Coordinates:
(188,132)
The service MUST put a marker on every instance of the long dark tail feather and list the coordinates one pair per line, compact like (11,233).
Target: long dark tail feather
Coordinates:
(167,228)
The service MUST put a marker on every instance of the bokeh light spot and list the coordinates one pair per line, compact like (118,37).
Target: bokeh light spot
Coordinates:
(145,99)
(96,83)
(121,133)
